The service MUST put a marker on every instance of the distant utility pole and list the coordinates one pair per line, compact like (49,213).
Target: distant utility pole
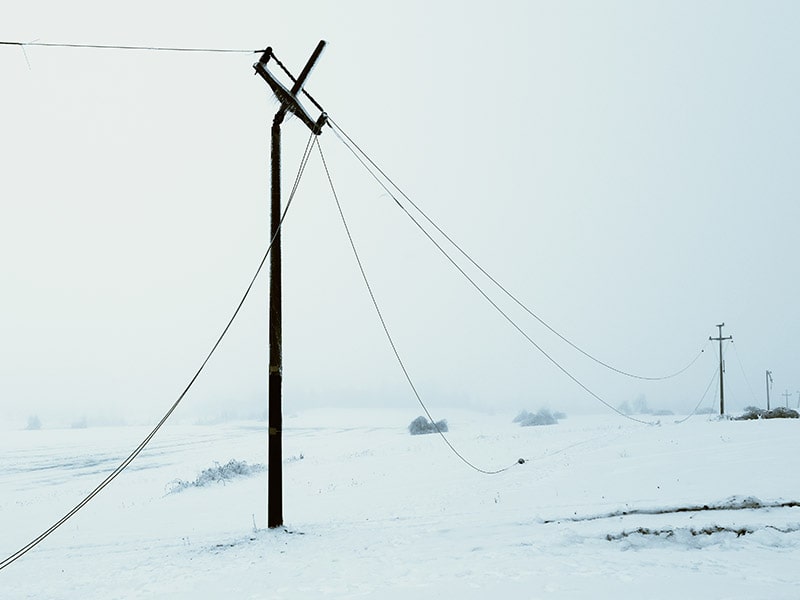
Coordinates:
(798,399)
(289,103)
(769,385)
(786,396)
(721,367)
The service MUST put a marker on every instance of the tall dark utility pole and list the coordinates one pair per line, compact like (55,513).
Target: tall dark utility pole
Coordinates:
(721,367)
(289,103)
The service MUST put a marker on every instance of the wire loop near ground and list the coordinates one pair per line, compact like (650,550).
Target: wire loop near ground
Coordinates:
(389,335)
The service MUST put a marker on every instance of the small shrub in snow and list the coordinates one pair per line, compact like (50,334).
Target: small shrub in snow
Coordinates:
(421,426)
(751,412)
(217,474)
(559,416)
(542,417)
(780,412)
(523,416)
(34,424)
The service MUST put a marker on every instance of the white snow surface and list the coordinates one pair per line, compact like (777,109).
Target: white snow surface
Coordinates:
(373,512)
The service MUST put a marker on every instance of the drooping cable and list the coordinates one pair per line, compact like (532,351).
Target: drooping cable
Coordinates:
(122,47)
(513,323)
(130,458)
(389,335)
(697,406)
(744,374)
(340,132)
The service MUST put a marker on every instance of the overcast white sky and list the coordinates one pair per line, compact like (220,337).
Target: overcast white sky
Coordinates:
(628,169)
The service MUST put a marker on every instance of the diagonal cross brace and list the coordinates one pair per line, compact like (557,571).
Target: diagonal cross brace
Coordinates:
(288,98)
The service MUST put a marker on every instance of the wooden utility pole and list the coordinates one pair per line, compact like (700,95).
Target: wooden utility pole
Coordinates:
(786,395)
(769,385)
(721,367)
(289,103)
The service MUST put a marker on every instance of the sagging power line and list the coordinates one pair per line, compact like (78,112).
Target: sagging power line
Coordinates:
(514,324)
(290,103)
(124,47)
(138,450)
(356,150)
(389,335)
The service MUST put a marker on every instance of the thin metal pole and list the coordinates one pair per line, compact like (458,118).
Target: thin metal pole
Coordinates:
(769,376)
(721,369)
(275,442)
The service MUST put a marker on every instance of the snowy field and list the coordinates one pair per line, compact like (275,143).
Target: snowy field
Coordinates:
(599,510)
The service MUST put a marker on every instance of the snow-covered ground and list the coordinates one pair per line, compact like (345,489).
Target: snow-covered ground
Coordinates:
(371,511)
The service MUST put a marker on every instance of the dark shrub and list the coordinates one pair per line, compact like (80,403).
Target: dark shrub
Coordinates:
(543,417)
(421,426)
(523,416)
(781,412)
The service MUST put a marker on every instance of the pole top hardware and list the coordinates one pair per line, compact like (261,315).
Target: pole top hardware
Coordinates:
(288,97)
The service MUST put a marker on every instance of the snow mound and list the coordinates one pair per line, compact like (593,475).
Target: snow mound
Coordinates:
(740,503)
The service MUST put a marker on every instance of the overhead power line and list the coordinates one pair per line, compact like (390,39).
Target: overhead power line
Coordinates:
(744,373)
(124,47)
(352,144)
(138,450)
(512,323)
(510,320)
(389,335)
(697,406)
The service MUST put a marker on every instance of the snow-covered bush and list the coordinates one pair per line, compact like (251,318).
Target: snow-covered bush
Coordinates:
(542,417)
(523,416)
(751,412)
(559,416)
(217,474)
(421,426)
(780,412)
(34,424)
